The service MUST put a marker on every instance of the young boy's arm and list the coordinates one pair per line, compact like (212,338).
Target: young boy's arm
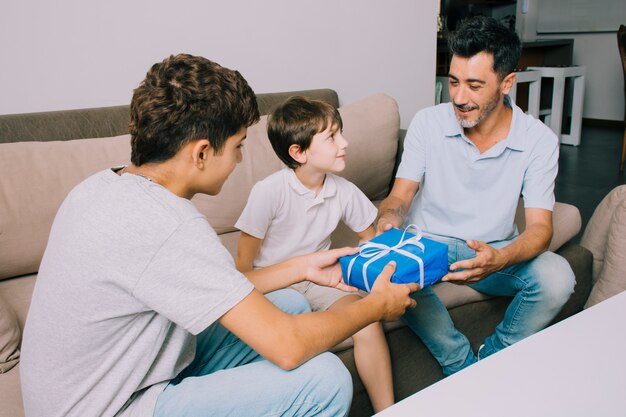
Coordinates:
(367,234)
(247,250)
(288,272)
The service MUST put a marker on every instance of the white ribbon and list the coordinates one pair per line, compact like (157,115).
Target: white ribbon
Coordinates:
(375,251)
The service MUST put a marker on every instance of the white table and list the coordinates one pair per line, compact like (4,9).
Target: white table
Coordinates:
(576,367)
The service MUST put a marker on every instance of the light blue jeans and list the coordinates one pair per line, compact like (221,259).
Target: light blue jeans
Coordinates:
(539,287)
(228,378)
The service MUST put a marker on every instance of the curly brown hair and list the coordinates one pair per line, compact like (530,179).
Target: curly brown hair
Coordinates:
(185,98)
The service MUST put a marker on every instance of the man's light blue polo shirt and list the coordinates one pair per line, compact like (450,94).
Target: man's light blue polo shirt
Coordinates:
(466,195)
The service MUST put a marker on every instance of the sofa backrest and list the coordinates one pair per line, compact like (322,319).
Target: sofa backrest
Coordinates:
(108,121)
(36,176)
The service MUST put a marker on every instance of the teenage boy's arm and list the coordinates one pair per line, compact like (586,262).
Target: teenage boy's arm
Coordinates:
(289,340)
(393,209)
(247,249)
(320,268)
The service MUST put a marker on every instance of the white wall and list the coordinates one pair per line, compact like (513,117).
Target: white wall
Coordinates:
(68,54)
(604,82)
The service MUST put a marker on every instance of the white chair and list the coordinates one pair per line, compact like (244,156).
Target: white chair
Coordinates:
(533,78)
(554,115)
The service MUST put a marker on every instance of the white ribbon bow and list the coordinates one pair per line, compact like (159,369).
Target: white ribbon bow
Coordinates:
(375,251)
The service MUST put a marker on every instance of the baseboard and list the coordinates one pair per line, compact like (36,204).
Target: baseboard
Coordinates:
(611,124)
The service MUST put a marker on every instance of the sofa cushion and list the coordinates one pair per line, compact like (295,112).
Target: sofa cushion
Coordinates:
(10,337)
(611,279)
(371,127)
(597,230)
(36,178)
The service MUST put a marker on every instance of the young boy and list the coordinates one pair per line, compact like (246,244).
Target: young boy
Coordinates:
(293,212)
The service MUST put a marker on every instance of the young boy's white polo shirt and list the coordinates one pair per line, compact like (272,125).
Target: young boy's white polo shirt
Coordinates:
(291,220)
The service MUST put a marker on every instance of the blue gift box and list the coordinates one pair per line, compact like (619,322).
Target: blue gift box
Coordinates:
(417,259)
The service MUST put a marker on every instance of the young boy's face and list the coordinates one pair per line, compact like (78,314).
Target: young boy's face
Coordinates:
(327,151)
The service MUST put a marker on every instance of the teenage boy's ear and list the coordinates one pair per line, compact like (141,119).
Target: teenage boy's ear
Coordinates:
(200,151)
(297,154)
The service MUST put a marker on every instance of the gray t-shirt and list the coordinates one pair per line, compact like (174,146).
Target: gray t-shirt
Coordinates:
(130,274)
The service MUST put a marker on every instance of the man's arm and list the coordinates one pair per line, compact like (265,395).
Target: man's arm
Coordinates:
(534,240)
(393,209)
(289,340)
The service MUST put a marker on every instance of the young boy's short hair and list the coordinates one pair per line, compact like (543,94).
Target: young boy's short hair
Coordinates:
(185,98)
(296,121)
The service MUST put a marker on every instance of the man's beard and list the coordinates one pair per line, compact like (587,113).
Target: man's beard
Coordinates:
(488,109)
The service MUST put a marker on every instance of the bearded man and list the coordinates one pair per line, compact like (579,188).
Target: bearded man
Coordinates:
(464,167)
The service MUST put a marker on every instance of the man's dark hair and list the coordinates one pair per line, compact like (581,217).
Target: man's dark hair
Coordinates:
(484,34)
(185,98)
(296,121)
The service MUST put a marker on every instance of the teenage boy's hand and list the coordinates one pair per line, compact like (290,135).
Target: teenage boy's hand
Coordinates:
(322,268)
(394,297)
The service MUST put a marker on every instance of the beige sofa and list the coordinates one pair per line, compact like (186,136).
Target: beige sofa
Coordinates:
(42,157)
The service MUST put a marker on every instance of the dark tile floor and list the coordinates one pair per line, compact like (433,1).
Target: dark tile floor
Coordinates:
(589,171)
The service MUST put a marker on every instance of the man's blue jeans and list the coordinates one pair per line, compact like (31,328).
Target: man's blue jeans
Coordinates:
(539,287)
(228,378)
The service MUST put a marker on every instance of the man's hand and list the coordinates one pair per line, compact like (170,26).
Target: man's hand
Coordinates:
(322,268)
(395,297)
(393,208)
(388,220)
(487,261)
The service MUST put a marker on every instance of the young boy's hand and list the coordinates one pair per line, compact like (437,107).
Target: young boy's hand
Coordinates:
(322,268)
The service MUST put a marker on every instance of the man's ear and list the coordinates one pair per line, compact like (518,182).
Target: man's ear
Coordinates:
(508,82)
(297,154)
(200,151)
